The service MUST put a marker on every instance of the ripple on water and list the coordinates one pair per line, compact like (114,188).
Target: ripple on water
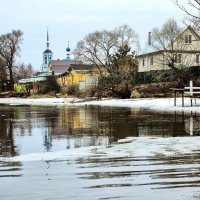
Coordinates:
(10,169)
(181,171)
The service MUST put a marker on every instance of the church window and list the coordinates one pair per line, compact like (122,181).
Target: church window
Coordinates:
(45,59)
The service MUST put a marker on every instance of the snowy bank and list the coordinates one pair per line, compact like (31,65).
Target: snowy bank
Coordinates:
(39,101)
(159,104)
(129,147)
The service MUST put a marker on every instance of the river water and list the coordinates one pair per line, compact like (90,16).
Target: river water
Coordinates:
(43,130)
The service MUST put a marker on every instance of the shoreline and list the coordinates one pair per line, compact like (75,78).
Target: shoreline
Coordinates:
(155,104)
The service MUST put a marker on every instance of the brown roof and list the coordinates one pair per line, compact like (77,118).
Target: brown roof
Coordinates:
(61,66)
(86,68)
(83,67)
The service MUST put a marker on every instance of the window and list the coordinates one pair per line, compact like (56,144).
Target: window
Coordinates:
(175,58)
(197,59)
(45,60)
(143,62)
(188,39)
(151,60)
(179,58)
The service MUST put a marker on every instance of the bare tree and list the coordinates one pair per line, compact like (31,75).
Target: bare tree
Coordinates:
(174,51)
(23,71)
(171,41)
(98,47)
(166,39)
(192,9)
(9,49)
(30,70)
(3,73)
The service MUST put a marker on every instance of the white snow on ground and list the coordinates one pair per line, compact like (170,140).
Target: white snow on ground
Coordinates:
(162,104)
(40,101)
(129,147)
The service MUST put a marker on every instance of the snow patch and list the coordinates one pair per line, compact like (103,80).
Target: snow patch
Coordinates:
(129,147)
(159,104)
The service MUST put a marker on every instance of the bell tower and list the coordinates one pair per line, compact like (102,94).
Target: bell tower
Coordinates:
(47,55)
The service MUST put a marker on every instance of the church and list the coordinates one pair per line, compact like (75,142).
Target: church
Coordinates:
(66,71)
(58,66)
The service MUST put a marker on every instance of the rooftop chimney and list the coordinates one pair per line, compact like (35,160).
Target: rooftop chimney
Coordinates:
(149,39)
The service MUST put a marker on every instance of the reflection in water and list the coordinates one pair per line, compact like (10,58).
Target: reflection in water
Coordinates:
(76,127)
(7,147)
(47,140)
(192,125)
(32,129)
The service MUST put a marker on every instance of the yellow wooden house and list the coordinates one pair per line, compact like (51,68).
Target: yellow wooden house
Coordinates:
(79,74)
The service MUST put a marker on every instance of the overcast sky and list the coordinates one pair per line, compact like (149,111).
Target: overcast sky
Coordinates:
(71,20)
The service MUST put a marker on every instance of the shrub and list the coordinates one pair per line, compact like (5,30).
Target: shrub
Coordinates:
(89,92)
(49,86)
(72,90)
(152,90)
(154,76)
(181,75)
(117,85)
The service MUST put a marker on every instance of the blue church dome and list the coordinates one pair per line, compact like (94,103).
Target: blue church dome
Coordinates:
(68,49)
(47,51)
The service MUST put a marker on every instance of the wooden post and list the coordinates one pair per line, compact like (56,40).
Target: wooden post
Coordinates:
(191,91)
(191,124)
(182,98)
(175,98)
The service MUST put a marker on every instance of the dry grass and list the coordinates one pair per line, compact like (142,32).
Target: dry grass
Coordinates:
(152,90)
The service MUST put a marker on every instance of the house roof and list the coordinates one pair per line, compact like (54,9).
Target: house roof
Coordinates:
(192,30)
(85,68)
(33,79)
(61,66)
(79,67)
(37,78)
(148,49)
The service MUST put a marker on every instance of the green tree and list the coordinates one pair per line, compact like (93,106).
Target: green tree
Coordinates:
(122,79)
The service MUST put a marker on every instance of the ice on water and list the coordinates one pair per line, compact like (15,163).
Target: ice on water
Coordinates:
(128,147)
